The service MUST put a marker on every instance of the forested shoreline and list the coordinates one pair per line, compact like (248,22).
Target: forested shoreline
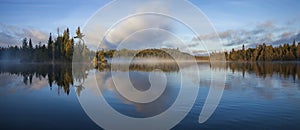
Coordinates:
(285,52)
(62,48)
(162,53)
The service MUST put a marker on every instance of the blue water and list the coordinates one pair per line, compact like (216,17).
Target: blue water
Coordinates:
(251,100)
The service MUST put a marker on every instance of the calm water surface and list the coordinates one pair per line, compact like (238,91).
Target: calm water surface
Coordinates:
(256,95)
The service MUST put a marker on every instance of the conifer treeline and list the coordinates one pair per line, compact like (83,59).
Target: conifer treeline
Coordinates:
(63,48)
(263,52)
(59,49)
(146,53)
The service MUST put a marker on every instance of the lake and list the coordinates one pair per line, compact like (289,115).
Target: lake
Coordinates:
(259,95)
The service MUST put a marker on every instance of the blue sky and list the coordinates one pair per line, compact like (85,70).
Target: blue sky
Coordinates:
(237,21)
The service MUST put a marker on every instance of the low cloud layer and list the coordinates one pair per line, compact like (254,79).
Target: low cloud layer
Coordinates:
(12,35)
(265,32)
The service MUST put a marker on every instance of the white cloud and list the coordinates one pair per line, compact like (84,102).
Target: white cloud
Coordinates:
(264,32)
(13,35)
(114,33)
(138,23)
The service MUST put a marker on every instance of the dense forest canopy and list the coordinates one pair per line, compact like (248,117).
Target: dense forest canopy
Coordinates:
(60,49)
(285,52)
(164,53)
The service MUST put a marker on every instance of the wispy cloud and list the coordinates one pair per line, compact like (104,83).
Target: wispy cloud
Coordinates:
(12,35)
(263,32)
(288,39)
(266,25)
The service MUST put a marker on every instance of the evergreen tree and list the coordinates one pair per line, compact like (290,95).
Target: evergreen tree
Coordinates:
(30,44)
(79,34)
(298,51)
(25,47)
(25,43)
(50,48)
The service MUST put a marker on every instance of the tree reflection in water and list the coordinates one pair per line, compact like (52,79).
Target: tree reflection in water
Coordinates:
(59,74)
(64,77)
(265,69)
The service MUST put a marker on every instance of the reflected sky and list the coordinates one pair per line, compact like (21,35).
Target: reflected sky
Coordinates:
(251,98)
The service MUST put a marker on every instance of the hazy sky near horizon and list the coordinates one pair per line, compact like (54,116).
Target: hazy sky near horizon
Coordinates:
(238,22)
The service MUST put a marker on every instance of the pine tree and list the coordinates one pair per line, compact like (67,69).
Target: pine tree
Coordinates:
(25,43)
(69,49)
(24,52)
(50,47)
(79,34)
(298,51)
(30,44)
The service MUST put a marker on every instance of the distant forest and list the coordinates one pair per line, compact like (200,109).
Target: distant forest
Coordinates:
(267,53)
(164,53)
(263,52)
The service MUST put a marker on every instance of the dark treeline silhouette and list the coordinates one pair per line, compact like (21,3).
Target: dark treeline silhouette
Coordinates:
(263,52)
(264,69)
(285,52)
(59,49)
(163,53)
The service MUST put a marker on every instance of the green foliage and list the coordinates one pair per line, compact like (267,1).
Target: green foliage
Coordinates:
(164,53)
(298,51)
(266,53)
(59,50)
